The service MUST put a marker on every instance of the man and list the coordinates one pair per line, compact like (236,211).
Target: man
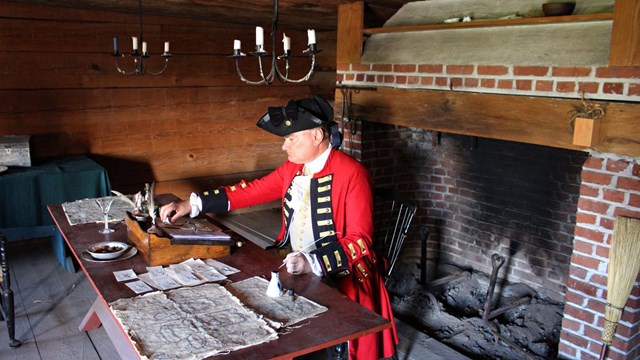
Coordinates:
(326,211)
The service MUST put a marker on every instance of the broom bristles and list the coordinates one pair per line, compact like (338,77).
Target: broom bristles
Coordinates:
(624,264)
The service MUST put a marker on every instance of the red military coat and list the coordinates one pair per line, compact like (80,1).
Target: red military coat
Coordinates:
(347,184)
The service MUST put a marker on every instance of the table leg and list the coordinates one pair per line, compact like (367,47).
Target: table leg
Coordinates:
(101,314)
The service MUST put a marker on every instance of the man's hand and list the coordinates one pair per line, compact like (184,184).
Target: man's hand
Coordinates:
(297,264)
(174,210)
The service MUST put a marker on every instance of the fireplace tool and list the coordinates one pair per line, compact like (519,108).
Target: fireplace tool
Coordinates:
(622,272)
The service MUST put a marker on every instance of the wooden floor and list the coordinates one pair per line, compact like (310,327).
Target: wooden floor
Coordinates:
(50,303)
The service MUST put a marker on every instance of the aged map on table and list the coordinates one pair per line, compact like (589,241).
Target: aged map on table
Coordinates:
(201,321)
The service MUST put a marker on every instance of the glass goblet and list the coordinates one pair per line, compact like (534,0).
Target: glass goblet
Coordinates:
(105,205)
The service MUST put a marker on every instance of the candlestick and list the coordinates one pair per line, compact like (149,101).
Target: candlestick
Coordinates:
(259,36)
(311,34)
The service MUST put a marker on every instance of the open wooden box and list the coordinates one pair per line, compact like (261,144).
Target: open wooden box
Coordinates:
(158,250)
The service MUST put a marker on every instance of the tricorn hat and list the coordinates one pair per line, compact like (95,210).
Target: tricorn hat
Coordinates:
(298,115)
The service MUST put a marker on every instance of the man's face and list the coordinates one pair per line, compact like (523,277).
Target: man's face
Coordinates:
(303,146)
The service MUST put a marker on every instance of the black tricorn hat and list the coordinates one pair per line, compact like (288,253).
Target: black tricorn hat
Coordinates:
(298,115)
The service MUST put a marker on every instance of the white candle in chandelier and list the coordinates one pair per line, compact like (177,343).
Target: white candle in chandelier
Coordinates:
(135,42)
(236,44)
(115,45)
(144,47)
(311,34)
(286,42)
(166,47)
(259,36)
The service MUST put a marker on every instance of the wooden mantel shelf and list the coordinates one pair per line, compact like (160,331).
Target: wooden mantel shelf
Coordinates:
(532,120)
(492,23)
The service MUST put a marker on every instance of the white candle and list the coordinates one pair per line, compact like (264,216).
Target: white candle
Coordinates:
(286,42)
(236,44)
(144,47)
(135,42)
(312,36)
(166,46)
(259,36)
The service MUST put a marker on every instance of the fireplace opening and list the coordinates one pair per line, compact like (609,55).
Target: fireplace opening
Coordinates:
(480,199)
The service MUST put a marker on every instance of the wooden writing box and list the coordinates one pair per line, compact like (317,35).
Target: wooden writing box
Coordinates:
(158,250)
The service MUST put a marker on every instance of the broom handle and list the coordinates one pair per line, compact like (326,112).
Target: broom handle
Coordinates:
(603,352)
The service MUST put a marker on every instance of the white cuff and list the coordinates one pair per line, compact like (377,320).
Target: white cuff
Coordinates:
(313,261)
(196,205)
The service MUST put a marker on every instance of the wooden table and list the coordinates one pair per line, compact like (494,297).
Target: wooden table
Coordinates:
(345,319)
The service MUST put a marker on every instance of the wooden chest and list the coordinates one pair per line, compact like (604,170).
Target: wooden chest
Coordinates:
(158,250)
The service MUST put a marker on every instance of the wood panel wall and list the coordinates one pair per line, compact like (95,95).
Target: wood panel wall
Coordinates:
(192,125)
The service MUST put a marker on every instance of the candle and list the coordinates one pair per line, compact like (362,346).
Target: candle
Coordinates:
(312,36)
(166,47)
(236,44)
(135,42)
(144,47)
(259,36)
(286,42)
(115,45)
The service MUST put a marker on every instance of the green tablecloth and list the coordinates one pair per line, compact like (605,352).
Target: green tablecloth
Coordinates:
(25,193)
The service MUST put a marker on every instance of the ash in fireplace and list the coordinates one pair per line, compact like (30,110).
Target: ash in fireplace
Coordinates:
(520,324)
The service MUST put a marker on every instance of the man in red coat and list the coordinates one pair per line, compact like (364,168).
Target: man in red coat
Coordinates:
(326,211)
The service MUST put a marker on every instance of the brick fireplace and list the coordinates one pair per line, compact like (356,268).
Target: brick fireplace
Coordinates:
(549,211)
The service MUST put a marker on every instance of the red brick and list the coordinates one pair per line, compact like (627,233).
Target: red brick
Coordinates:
(635,170)
(627,72)
(612,88)
(577,272)
(588,87)
(530,70)
(570,71)
(634,200)
(361,67)
(634,90)
(590,191)
(575,340)
(592,333)
(471,82)
(379,78)
(349,77)
(412,80)
(592,206)
(582,218)
(594,163)
(460,69)
(544,85)
(565,86)
(371,78)
(591,177)
(571,324)
(606,223)
(455,82)
(567,350)
(524,85)
(626,183)
(442,81)
(389,79)
(343,67)
(382,67)
(430,68)
(426,80)
(359,77)
(339,78)
(596,305)
(583,247)
(589,263)
(579,314)
(404,68)
(617,165)
(626,212)
(613,196)
(401,79)
(590,234)
(505,84)
(488,83)
(492,70)
(583,287)
(599,280)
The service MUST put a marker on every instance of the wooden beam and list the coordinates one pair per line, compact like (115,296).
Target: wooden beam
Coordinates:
(350,24)
(533,120)
(625,34)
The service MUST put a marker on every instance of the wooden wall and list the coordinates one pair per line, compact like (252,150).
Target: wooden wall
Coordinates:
(192,125)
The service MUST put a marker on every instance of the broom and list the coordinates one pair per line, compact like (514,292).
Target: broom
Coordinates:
(624,264)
